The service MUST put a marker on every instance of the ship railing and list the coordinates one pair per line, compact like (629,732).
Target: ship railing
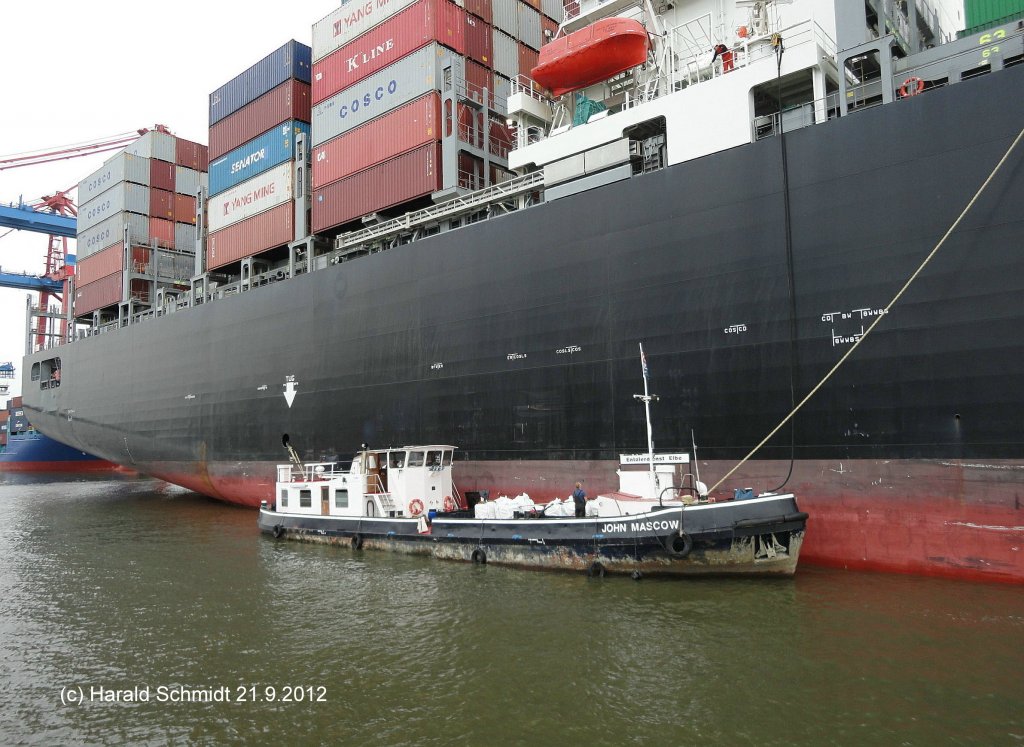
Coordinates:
(311,472)
(349,242)
(796,117)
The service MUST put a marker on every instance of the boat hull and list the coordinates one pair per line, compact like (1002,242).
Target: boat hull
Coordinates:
(763,536)
(517,338)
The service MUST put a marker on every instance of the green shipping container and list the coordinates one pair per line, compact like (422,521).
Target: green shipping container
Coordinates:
(985,12)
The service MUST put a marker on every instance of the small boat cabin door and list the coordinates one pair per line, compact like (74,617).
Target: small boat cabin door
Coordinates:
(325,500)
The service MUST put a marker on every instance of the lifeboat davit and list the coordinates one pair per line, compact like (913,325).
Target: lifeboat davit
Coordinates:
(593,54)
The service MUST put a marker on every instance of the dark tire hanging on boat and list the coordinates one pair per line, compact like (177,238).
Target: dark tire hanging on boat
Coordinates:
(278,531)
(479,556)
(596,570)
(357,542)
(680,545)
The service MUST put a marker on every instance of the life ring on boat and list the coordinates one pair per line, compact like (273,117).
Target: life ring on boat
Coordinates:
(449,503)
(680,544)
(415,507)
(479,556)
(357,541)
(278,531)
(911,87)
(596,570)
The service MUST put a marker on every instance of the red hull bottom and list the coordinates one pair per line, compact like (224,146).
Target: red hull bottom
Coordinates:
(949,519)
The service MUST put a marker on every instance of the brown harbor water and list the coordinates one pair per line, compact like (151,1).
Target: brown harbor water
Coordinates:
(125,586)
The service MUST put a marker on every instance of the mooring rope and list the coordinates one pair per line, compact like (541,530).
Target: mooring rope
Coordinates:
(880,317)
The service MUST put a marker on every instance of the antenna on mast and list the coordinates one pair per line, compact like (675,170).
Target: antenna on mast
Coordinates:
(646,398)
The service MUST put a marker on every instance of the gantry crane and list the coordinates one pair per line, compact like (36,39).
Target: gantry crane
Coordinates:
(56,216)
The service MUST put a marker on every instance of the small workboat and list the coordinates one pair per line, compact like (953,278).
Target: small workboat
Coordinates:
(660,521)
(403,499)
(598,52)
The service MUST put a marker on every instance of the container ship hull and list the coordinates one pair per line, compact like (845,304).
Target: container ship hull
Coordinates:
(34,452)
(516,338)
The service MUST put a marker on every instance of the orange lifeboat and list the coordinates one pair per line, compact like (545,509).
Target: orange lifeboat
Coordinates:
(592,54)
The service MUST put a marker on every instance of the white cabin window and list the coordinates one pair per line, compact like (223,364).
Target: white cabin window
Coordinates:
(341,498)
(284,499)
(434,459)
(447,459)
(305,498)
(396,459)
(415,458)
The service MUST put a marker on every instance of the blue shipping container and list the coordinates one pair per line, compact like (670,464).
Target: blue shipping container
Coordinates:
(293,60)
(270,149)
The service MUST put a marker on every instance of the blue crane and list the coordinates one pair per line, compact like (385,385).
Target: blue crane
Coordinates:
(27,218)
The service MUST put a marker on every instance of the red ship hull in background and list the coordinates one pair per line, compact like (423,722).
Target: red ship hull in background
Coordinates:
(593,54)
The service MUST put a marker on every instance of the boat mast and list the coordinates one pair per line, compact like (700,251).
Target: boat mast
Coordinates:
(646,398)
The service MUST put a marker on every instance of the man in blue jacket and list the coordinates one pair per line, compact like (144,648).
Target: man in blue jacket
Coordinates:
(580,499)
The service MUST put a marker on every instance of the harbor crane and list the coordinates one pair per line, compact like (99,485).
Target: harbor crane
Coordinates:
(56,216)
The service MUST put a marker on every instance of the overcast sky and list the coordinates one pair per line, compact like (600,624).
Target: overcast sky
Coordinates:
(77,72)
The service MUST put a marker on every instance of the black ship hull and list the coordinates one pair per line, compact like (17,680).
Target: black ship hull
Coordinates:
(752,537)
(516,338)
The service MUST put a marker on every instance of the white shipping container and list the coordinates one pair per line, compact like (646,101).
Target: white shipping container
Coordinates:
(553,9)
(502,89)
(341,26)
(186,181)
(185,241)
(110,231)
(529,26)
(154,144)
(121,167)
(251,197)
(506,16)
(408,79)
(122,196)
(506,55)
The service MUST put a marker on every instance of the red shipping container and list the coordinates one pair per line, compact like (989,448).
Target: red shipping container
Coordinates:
(481,9)
(98,294)
(140,258)
(161,232)
(418,25)
(99,265)
(410,175)
(161,174)
(478,78)
(479,41)
(528,59)
(499,139)
(290,100)
(397,132)
(548,29)
(468,130)
(184,209)
(535,4)
(471,171)
(268,230)
(191,155)
(161,204)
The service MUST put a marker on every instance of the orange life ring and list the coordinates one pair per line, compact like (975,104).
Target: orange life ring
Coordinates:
(911,87)
(415,507)
(449,503)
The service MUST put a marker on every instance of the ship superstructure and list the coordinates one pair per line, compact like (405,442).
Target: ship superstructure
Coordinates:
(745,212)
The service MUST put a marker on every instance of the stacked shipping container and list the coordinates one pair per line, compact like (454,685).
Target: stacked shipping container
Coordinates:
(254,121)
(149,187)
(398,87)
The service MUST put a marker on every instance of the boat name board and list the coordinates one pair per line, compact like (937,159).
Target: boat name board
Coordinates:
(680,458)
(624,527)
